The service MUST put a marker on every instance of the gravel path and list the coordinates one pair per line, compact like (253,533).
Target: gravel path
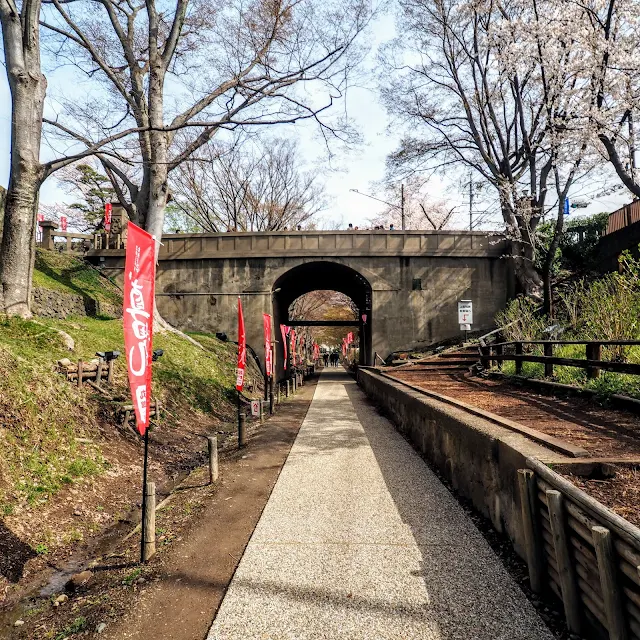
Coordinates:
(360,540)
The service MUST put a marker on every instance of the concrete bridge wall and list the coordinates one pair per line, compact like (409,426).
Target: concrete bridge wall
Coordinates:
(408,283)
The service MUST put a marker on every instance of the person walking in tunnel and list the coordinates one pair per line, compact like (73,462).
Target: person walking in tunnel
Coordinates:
(325,358)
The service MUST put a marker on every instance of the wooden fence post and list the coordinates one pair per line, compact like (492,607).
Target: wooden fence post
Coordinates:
(287,391)
(99,372)
(212,442)
(548,366)
(80,371)
(530,525)
(242,419)
(272,400)
(149,542)
(110,366)
(519,352)
(566,571)
(486,362)
(499,352)
(593,352)
(609,583)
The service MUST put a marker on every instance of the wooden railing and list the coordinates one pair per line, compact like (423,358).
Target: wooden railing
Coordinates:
(96,241)
(498,353)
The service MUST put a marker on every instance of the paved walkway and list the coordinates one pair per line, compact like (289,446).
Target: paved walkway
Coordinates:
(360,540)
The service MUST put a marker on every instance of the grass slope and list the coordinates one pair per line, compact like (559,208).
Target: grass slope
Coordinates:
(51,431)
(66,274)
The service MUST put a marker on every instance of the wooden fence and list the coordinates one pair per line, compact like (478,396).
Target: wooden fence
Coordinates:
(583,552)
(499,352)
(93,373)
(623,217)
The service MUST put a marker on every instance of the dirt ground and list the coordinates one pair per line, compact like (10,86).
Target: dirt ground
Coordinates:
(41,542)
(603,432)
(201,536)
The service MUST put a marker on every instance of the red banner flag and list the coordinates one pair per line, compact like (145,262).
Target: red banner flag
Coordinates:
(139,286)
(63,223)
(344,347)
(242,349)
(268,354)
(283,331)
(292,337)
(350,337)
(107,217)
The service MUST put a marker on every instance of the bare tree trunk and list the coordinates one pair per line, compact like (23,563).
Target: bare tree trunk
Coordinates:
(526,273)
(550,257)
(523,251)
(28,87)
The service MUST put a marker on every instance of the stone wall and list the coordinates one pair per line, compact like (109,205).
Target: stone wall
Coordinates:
(479,459)
(48,303)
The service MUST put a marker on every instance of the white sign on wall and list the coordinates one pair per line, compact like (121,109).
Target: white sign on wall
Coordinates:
(465,312)
(255,408)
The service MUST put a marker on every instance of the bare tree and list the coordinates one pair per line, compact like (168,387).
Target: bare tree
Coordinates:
(247,185)
(421,210)
(21,39)
(198,69)
(609,36)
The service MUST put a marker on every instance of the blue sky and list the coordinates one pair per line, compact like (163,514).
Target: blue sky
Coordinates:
(359,168)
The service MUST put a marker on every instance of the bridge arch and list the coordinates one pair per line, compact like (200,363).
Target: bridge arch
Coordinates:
(324,275)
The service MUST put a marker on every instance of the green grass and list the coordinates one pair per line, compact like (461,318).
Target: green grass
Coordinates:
(79,624)
(42,414)
(132,577)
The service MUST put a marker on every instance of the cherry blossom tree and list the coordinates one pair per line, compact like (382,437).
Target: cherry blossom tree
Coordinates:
(489,86)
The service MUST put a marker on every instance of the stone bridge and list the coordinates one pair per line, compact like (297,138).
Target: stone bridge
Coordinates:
(407,283)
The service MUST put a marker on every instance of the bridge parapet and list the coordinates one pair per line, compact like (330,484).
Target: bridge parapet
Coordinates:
(190,246)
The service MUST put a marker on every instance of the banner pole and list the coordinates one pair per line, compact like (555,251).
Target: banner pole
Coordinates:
(144,494)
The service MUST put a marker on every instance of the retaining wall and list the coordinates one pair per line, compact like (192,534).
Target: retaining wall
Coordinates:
(478,458)
(49,303)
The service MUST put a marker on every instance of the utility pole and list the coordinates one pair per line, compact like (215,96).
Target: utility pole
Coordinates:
(402,204)
(632,148)
(470,202)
